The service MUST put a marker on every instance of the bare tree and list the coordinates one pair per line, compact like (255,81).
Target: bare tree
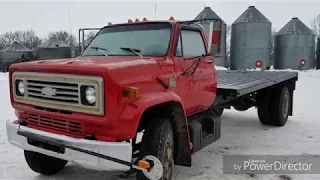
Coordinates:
(273,33)
(90,35)
(228,38)
(315,25)
(63,36)
(27,38)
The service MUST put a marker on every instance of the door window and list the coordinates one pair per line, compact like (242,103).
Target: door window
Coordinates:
(192,43)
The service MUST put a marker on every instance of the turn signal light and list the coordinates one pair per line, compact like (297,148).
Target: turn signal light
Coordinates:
(132,92)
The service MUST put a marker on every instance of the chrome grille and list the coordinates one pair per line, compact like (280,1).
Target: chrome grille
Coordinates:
(53,91)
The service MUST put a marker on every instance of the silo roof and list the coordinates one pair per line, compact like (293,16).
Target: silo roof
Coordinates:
(208,13)
(251,15)
(15,46)
(52,43)
(295,26)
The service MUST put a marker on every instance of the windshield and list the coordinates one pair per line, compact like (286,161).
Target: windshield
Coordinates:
(149,39)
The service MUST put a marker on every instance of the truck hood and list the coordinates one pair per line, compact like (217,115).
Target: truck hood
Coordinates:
(96,63)
(118,68)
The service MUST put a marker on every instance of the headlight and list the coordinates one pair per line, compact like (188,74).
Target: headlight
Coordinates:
(90,94)
(21,87)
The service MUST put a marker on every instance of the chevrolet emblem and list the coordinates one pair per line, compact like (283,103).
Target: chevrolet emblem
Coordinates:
(48,91)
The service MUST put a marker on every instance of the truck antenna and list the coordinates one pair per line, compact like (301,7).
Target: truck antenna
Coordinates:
(155,11)
(70,21)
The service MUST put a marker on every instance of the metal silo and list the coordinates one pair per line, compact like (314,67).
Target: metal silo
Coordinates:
(294,46)
(250,41)
(12,53)
(318,54)
(208,13)
(53,49)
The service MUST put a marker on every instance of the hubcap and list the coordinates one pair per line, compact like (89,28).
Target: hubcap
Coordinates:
(285,105)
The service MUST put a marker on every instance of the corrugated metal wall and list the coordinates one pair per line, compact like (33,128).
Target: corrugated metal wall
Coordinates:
(294,43)
(250,40)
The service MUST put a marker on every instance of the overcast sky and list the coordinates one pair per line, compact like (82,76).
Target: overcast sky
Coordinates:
(45,16)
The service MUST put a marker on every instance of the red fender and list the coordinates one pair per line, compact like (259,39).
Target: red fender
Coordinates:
(133,111)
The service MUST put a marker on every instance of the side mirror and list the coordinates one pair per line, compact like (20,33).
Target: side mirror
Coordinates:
(214,39)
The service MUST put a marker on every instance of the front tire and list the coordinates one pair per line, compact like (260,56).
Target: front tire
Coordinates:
(158,141)
(43,164)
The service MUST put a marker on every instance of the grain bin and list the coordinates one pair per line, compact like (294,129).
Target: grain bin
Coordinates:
(294,46)
(13,52)
(318,54)
(250,41)
(53,49)
(208,13)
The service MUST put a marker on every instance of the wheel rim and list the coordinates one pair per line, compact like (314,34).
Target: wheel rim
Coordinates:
(285,105)
(168,161)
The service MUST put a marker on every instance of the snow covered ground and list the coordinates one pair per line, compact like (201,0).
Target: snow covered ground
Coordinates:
(242,133)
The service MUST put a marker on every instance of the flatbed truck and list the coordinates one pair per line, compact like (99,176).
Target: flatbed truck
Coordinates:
(156,78)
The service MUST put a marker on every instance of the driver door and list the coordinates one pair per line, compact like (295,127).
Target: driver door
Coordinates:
(193,88)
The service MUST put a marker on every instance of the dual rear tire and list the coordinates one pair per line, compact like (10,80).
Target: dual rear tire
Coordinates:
(276,107)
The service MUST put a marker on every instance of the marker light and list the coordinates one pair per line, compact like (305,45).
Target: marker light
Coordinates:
(137,20)
(144,19)
(109,23)
(132,92)
(129,21)
(171,18)
(303,62)
(143,164)
(258,63)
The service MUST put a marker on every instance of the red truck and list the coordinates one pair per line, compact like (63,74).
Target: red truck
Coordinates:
(156,78)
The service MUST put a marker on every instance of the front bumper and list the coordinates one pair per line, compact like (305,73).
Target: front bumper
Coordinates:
(120,150)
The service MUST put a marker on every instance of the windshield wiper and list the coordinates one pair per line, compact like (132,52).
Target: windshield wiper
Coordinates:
(136,51)
(103,50)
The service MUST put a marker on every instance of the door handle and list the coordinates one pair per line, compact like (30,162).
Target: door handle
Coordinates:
(209,61)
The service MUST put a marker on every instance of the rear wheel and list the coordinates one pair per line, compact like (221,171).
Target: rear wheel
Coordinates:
(158,141)
(44,164)
(276,110)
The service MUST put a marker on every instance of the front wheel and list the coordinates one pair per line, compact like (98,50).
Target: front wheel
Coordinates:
(158,141)
(44,164)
